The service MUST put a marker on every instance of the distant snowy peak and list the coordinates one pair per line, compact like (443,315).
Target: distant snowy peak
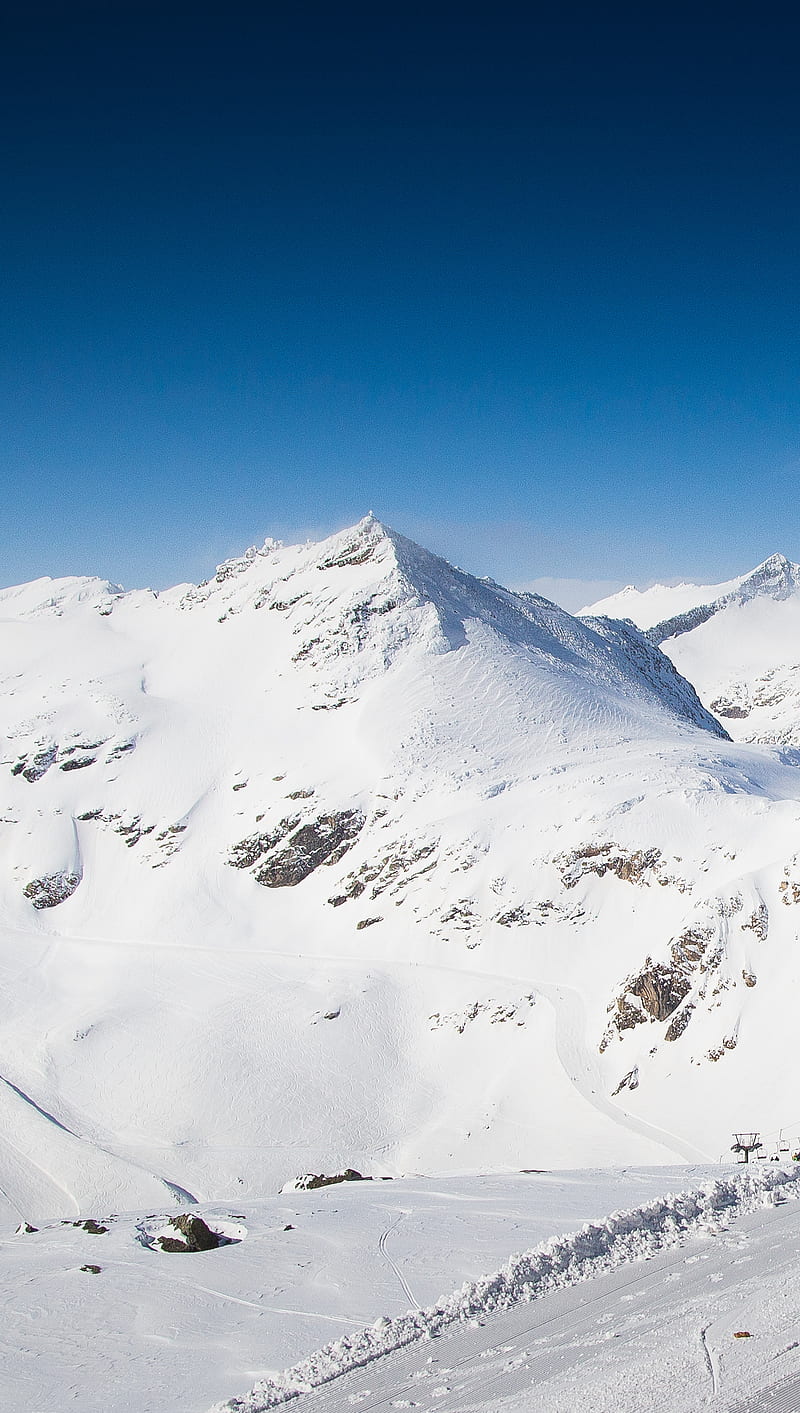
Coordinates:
(777,578)
(736,642)
(664,612)
(52,597)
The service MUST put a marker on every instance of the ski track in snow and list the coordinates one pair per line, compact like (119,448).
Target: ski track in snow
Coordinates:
(582,1070)
(709,1360)
(409,1294)
(599,1253)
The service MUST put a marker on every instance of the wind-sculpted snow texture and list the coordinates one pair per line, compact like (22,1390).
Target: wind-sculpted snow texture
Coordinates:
(346,859)
(556,1264)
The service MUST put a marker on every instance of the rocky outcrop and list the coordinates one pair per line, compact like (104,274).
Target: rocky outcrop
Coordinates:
(364,541)
(33,764)
(679,1022)
(758,922)
(628,1081)
(637,866)
(656,992)
(514,917)
(660,989)
(323,841)
(193,1235)
(497,1013)
(33,767)
(310,1181)
(392,871)
(247,852)
(51,889)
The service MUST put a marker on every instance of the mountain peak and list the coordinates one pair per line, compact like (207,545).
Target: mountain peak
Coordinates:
(777,576)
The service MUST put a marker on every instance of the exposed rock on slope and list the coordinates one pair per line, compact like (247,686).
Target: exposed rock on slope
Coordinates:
(349,783)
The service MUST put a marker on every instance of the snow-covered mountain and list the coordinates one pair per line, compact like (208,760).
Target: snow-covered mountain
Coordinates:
(737,642)
(346,858)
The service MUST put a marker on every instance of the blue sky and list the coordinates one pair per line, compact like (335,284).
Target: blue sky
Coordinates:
(524,283)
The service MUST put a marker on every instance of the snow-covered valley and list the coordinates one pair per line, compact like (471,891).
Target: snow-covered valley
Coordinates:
(346,859)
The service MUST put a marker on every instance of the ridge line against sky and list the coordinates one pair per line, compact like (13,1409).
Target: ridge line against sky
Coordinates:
(526,281)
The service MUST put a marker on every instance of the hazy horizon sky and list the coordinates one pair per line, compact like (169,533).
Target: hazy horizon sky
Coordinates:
(523,281)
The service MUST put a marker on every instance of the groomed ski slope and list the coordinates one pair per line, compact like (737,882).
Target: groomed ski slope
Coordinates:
(164,1333)
(534,1327)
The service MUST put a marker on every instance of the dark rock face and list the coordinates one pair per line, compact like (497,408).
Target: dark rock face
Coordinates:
(248,851)
(51,889)
(121,750)
(639,866)
(194,1235)
(393,871)
(656,992)
(324,841)
(758,922)
(660,989)
(314,1180)
(628,1081)
(722,707)
(359,549)
(38,766)
(133,830)
(653,995)
(514,917)
(679,1023)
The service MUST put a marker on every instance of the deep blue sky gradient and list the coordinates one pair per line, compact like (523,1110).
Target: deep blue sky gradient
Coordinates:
(522,280)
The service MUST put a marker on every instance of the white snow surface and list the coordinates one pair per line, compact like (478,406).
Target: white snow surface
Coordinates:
(318,1283)
(557,1264)
(347,859)
(738,643)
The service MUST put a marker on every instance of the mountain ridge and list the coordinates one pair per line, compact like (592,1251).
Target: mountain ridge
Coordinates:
(734,641)
(345,858)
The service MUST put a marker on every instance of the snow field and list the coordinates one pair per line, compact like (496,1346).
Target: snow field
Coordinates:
(170,1333)
(598,1248)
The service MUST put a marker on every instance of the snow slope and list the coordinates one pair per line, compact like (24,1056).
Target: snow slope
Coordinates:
(736,642)
(689,1302)
(345,858)
(99,1319)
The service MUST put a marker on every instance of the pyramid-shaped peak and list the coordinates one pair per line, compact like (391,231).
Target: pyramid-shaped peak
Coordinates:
(775,565)
(355,545)
(777,576)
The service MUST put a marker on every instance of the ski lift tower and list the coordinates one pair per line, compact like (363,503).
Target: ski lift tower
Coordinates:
(745,1144)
